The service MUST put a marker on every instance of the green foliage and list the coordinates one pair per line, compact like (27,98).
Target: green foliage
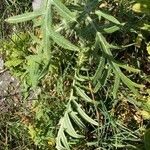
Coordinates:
(16,50)
(13,135)
(74,60)
(40,128)
(147,139)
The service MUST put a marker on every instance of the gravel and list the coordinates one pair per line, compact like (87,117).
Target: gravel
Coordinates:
(1,63)
(9,88)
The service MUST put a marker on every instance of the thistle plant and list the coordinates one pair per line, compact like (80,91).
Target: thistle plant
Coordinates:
(77,31)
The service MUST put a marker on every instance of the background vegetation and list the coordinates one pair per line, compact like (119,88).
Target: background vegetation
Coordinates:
(83,71)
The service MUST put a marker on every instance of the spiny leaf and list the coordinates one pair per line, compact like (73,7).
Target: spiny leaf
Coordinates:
(79,78)
(83,78)
(24,17)
(116,85)
(99,70)
(59,145)
(81,93)
(84,115)
(97,87)
(107,17)
(128,68)
(63,10)
(61,41)
(69,128)
(106,50)
(76,119)
(103,80)
(61,138)
(125,79)
(147,139)
(64,141)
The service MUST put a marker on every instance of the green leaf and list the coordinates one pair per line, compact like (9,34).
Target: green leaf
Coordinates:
(125,79)
(61,41)
(24,17)
(103,80)
(64,141)
(116,85)
(99,70)
(111,29)
(81,93)
(59,146)
(106,51)
(128,68)
(147,139)
(79,78)
(33,68)
(69,128)
(76,119)
(63,10)
(84,115)
(61,138)
(107,17)
(13,63)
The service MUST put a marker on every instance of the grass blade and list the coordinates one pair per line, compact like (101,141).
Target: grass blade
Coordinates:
(116,86)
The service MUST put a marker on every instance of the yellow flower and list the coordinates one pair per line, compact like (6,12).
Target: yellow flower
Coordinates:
(145,114)
(32,131)
(141,8)
(148,48)
(51,142)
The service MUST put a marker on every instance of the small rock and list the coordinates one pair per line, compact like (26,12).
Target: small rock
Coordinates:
(1,63)
(36,4)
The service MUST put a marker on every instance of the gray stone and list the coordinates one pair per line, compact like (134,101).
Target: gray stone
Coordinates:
(36,4)
(1,63)
(9,87)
